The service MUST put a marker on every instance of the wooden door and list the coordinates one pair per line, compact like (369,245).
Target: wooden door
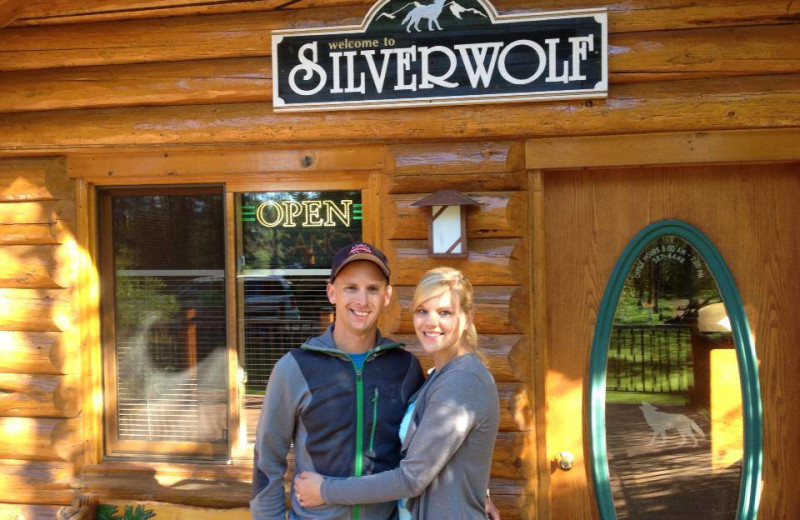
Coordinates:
(750,212)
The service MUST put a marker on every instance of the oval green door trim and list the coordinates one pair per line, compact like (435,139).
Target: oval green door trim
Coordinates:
(745,352)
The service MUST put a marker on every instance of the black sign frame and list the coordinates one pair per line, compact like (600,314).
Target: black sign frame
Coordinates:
(421,62)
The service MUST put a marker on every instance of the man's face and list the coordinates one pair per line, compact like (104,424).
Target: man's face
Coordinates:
(359,292)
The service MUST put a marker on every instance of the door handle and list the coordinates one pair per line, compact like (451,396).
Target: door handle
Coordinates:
(565,460)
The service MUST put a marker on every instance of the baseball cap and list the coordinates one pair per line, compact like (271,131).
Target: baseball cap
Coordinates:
(358,251)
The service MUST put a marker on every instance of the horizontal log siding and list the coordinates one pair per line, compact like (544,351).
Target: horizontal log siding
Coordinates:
(713,104)
(29,512)
(634,57)
(497,267)
(499,216)
(36,353)
(34,438)
(628,16)
(29,395)
(36,482)
(40,398)
(507,355)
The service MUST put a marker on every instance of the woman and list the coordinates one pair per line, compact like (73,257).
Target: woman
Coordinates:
(453,421)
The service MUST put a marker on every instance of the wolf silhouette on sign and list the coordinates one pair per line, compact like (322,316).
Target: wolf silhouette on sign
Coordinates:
(660,422)
(430,12)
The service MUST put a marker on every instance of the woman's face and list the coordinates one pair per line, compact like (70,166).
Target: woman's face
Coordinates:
(440,324)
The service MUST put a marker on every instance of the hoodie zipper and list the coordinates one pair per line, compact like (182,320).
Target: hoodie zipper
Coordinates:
(359,462)
(359,457)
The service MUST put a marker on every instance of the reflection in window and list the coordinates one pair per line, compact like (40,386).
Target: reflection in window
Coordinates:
(170,341)
(674,427)
(285,246)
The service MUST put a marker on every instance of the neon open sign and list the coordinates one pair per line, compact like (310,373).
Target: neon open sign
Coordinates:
(305,214)
(441,52)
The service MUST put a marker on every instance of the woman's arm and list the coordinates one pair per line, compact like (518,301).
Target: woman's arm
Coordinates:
(448,418)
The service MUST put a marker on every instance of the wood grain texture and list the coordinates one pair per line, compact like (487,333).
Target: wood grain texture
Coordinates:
(494,312)
(500,215)
(500,181)
(456,159)
(634,57)
(24,395)
(490,262)
(9,10)
(214,492)
(36,482)
(49,12)
(181,83)
(767,144)
(478,166)
(749,213)
(512,418)
(32,234)
(35,310)
(706,105)
(29,512)
(36,353)
(33,179)
(507,462)
(704,53)
(506,355)
(647,15)
(36,267)
(45,212)
(166,39)
(179,165)
(41,439)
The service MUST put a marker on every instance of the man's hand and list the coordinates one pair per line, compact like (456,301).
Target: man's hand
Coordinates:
(491,511)
(308,489)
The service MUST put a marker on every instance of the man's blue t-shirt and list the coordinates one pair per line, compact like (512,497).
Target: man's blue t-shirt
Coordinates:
(358,359)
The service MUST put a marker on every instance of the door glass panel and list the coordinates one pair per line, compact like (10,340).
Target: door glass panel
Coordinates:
(674,422)
(285,247)
(169,303)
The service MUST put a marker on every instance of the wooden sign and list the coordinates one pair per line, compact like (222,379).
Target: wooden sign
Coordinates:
(408,53)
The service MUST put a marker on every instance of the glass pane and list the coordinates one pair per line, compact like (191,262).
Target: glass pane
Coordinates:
(170,317)
(674,423)
(286,243)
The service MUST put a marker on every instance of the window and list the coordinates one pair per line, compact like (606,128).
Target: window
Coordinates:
(175,318)
(164,292)
(285,247)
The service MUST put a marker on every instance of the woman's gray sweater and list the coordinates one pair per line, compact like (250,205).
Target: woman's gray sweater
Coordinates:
(448,449)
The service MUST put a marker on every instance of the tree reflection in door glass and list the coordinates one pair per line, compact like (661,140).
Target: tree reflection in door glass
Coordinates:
(674,425)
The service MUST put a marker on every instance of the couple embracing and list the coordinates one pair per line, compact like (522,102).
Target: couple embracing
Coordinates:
(374,440)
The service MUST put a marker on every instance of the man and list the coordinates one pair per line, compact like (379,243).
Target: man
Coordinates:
(339,398)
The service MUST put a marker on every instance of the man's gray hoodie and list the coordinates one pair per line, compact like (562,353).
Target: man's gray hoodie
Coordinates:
(342,422)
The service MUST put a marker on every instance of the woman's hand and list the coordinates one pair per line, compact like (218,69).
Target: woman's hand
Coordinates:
(491,510)
(308,489)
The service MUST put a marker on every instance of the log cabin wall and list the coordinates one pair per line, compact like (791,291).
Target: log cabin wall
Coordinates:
(40,405)
(122,78)
(493,174)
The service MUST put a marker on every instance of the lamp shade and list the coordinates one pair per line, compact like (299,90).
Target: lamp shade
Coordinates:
(447,225)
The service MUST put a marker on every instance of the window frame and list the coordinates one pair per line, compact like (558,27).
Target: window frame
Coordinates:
(94,176)
(114,446)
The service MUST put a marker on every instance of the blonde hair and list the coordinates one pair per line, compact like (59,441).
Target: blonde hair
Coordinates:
(440,280)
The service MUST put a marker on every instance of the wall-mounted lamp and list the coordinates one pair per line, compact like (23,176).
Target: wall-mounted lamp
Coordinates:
(447,224)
